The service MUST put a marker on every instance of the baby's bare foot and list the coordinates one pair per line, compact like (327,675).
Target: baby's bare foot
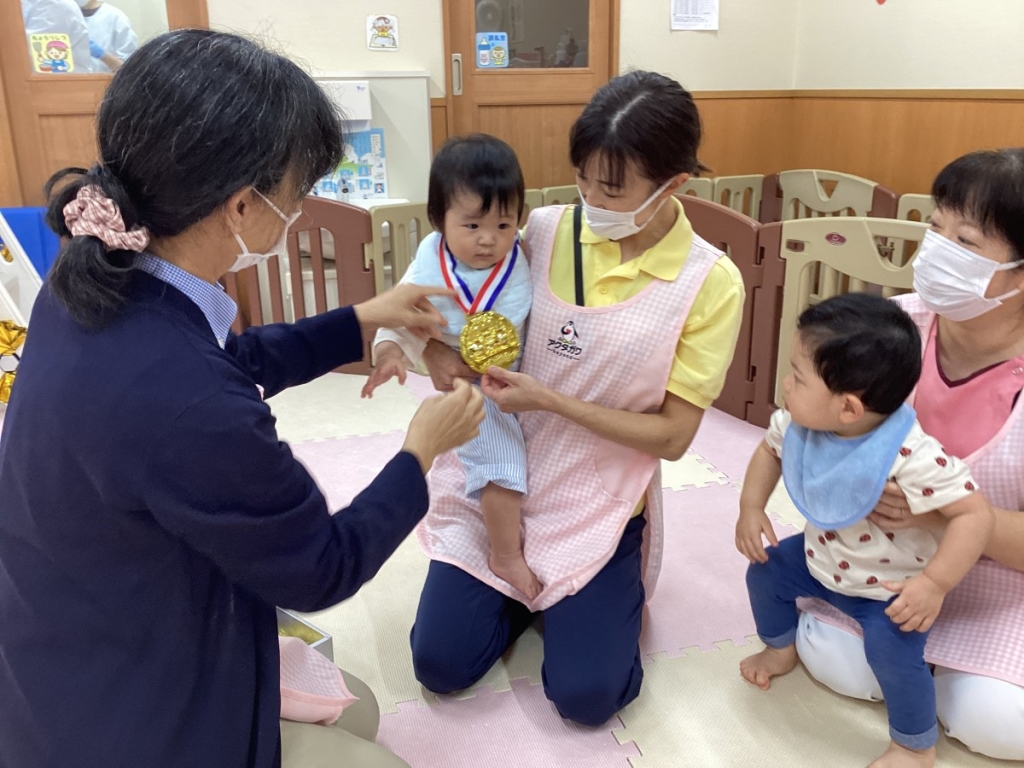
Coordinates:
(901,757)
(760,668)
(513,569)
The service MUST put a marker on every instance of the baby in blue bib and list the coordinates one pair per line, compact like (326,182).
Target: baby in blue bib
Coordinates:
(845,432)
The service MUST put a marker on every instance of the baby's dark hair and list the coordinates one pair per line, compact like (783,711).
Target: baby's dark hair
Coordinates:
(988,187)
(865,345)
(481,165)
(642,118)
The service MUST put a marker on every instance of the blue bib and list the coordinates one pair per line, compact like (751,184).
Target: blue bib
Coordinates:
(837,481)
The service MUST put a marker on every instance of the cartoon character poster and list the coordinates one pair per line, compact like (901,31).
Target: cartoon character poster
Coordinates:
(51,53)
(363,171)
(492,50)
(382,33)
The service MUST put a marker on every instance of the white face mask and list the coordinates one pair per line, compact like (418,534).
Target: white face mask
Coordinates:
(248,259)
(952,281)
(616,225)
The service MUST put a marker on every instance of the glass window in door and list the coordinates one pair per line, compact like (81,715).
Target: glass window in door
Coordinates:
(89,37)
(531,33)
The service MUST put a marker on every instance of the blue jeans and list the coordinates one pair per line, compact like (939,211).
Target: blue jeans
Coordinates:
(591,639)
(896,657)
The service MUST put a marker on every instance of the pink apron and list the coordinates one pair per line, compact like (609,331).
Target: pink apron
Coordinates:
(582,488)
(981,627)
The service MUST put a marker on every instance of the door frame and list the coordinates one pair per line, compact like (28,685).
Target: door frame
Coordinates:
(79,95)
(449,97)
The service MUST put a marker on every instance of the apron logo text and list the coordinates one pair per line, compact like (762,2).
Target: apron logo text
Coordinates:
(566,345)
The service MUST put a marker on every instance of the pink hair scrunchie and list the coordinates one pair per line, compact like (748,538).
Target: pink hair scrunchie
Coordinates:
(93,214)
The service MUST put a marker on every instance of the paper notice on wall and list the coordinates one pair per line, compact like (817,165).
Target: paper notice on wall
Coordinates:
(695,15)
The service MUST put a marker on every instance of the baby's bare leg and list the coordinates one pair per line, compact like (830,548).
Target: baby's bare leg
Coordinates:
(501,510)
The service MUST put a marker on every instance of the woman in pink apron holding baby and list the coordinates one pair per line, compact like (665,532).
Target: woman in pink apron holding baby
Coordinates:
(969,306)
(633,326)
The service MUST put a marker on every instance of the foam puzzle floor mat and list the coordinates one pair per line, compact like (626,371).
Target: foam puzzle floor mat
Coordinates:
(694,708)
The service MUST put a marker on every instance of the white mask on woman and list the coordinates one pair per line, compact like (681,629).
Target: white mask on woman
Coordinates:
(616,225)
(247,259)
(952,281)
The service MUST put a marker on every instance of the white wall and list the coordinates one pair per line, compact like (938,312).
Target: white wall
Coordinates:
(910,44)
(761,44)
(753,49)
(329,37)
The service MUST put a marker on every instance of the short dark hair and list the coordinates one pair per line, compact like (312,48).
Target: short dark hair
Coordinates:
(640,117)
(481,165)
(866,345)
(987,186)
(191,118)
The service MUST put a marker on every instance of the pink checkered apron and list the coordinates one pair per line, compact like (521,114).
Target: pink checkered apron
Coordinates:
(981,627)
(582,488)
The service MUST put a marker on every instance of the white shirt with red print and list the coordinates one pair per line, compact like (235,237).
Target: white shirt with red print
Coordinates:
(856,560)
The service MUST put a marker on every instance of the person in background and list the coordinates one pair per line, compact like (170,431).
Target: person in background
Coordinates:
(111,37)
(57,17)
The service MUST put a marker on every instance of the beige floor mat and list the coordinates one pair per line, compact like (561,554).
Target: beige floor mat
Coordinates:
(695,711)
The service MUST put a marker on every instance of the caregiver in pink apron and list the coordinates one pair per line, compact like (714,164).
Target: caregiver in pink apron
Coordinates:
(969,306)
(633,326)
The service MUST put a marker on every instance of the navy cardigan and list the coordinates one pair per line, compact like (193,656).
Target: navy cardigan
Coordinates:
(150,520)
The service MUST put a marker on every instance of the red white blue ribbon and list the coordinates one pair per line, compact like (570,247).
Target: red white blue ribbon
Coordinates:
(489,291)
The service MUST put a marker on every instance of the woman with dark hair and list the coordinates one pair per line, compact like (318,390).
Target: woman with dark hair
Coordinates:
(633,326)
(968,304)
(152,519)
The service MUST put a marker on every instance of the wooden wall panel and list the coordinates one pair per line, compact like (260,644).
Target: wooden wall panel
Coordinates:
(901,140)
(539,135)
(746,132)
(438,122)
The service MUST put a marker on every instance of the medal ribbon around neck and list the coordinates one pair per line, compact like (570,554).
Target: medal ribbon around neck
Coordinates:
(489,291)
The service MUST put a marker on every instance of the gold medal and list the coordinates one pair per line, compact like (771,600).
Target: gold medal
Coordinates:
(488,339)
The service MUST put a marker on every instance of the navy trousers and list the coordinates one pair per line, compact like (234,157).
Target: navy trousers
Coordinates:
(591,639)
(896,657)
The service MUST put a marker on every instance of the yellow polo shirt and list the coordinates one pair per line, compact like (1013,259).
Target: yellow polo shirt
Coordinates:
(708,340)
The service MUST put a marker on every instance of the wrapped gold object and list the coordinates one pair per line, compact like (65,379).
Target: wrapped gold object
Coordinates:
(308,635)
(12,336)
(6,382)
(488,339)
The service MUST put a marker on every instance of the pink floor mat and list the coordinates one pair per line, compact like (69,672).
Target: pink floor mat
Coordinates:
(517,727)
(701,596)
(343,468)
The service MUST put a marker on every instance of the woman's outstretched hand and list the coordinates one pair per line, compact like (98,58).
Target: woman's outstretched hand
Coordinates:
(515,392)
(445,366)
(404,306)
(444,422)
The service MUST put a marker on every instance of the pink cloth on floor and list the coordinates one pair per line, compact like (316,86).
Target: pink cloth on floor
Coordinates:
(313,690)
